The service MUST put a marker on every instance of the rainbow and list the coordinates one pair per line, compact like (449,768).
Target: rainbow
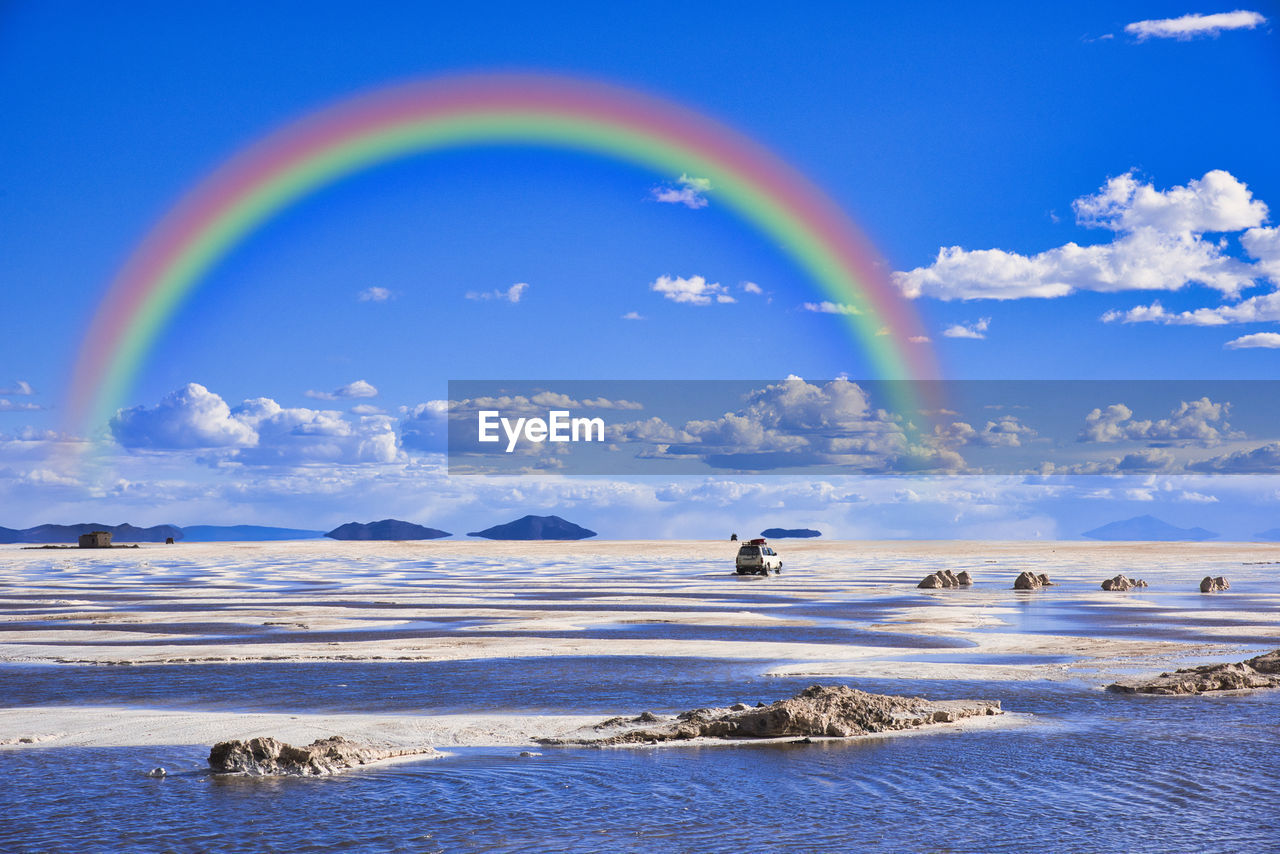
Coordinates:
(284,167)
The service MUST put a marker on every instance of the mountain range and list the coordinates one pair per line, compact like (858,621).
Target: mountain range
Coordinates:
(125,533)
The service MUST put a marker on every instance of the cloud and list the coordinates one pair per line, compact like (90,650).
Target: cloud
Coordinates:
(1200,422)
(1158,245)
(425,427)
(976,330)
(539,402)
(1142,461)
(374,294)
(191,417)
(1268,340)
(1216,202)
(357,389)
(1263,459)
(1262,244)
(21,388)
(633,315)
(1004,432)
(694,290)
(1194,25)
(257,432)
(1259,309)
(511,294)
(804,495)
(690,192)
(294,436)
(652,430)
(16,406)
(752,288)
(828,307)
(919,339)
(795,423)
(366,409)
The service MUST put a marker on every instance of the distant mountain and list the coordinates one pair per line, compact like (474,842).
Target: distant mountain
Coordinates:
(1273,535)
(535,528)
(387,529)
(244,533)
(1148,528)
(125,533)
(783,533)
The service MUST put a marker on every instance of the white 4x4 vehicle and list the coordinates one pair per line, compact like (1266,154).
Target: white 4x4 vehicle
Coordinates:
(756,558)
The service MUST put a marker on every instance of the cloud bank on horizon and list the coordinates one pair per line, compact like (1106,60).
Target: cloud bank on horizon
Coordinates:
(792,425)
(259,453)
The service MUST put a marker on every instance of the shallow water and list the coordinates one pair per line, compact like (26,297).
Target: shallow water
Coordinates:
(1084,770)
(560,684)
(1094,772)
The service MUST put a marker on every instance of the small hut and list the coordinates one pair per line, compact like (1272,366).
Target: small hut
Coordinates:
(96,540)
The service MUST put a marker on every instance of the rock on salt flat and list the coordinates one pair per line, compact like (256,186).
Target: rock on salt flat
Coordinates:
(1262,671)
(270,757)
(825,711)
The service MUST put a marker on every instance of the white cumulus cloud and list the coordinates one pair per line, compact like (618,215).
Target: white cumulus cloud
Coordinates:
(1004,432)
(1262,459)
(795,423)
(191,417)
(1201,422)
(1159,244)
(1194,25)
(294,436)
(21,388)
(511,294)
(1216,202)
(976,330)
(694,290)
(1262,244)
(688,191)
(1267,340)
(355,390)
(828,307)
(257,432)
(374,294)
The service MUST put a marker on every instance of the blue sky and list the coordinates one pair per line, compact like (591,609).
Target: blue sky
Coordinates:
(933,124)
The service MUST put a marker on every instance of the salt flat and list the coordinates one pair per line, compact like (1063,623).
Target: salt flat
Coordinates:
(839,611)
